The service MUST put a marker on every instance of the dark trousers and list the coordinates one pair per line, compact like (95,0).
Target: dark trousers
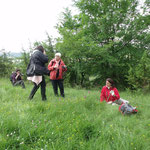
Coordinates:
(36,87)
(56,84)
(20,82)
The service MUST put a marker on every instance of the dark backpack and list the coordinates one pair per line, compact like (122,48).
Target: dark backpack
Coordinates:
(11,77)
(35,69)
(127,109)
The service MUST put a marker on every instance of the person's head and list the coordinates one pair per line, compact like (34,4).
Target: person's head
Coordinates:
(18,71)
(40,48)
(110,83)
(58,56)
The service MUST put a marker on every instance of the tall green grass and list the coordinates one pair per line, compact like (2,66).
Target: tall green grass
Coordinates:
(78,122)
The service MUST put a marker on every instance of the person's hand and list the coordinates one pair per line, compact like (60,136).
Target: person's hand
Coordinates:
(112,93)
(56,67)
(64,67)
(44,52)
(110,102)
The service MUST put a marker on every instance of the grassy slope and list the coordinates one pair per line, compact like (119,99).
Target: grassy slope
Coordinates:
(78,122)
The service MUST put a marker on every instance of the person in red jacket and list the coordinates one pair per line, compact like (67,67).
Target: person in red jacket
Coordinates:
(110,93)
(57,69)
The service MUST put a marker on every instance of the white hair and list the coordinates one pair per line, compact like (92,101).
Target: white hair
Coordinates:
(58,54)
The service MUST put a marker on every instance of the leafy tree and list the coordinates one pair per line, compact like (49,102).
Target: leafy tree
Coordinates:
(6,64)
(103,39)
(23,62)
(139,76)
(48,46)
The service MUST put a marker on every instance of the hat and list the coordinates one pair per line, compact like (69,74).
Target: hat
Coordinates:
(58,54)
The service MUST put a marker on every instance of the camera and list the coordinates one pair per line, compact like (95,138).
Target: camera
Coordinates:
(63,67)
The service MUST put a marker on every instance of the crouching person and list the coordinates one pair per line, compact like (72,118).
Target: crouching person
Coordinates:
(36,71)
(16,79)
(110,93)
(57,68)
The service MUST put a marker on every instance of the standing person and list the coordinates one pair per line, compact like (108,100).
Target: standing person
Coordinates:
(36,71)
(110,93)
(57,68)
(16,79)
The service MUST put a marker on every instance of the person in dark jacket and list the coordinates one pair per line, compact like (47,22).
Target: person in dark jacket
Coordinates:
(16,79)
(36,71)
(57,69)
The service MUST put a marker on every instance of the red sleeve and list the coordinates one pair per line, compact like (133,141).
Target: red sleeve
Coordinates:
(117,96)
(102,96)
(50,66)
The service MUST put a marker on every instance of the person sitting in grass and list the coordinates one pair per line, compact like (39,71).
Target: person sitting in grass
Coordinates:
(110,93)
(16,79)
(57,68)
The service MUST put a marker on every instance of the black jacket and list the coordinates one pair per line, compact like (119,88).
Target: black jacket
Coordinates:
(37,64)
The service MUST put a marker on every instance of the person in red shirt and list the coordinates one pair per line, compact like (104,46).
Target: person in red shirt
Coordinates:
(57,69)
(110,93)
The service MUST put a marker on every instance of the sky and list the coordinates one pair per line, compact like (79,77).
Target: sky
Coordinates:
(26,21)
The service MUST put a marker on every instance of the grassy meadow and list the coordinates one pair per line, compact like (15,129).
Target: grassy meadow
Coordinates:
(78,122)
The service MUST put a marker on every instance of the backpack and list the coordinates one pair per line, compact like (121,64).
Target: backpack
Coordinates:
(11,76)
(127,109)
(35,69)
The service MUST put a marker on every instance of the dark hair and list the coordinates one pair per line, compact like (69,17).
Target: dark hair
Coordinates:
(17,70)
(40,48)
(111,82)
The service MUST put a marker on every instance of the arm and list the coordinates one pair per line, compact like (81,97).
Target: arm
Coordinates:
(17,77)
(21,77)
(50,66)
(102,96)
(117,96)
(43,57)
(64,69)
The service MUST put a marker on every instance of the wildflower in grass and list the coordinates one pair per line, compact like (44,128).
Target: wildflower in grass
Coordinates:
(89,92)
(21,143)
(85,97)
(18,138)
